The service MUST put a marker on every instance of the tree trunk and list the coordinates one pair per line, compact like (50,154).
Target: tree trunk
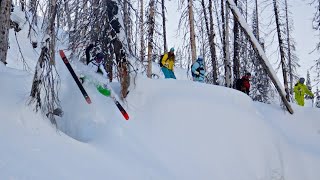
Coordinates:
(265,63)
(5,9)
(289,48)
(51,30)
(236,51)
(164,26)
(192,32)
(127,23)
(281,48)
(142,48)
(257,20)
(225,46)
(151,24)
(210,33)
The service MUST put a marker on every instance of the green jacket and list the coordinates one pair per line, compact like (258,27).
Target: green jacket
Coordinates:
(299,91)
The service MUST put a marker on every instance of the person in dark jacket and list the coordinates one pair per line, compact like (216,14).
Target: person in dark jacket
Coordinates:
(245,85)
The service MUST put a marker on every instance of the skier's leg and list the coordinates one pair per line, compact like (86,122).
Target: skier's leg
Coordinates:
(165,72)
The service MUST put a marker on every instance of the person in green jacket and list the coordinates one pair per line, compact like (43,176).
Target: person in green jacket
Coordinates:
(300,89)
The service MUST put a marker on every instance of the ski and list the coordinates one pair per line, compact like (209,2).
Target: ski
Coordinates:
(75,77)
(116,102)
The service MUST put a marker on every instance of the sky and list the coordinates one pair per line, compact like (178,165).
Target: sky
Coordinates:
(178,129)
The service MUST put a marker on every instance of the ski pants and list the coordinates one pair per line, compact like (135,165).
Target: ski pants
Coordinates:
(168,73)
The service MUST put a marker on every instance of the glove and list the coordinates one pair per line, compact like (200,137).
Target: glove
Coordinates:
(196,72)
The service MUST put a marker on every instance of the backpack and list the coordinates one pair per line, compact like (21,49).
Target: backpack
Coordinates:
(160,63)
(239,84)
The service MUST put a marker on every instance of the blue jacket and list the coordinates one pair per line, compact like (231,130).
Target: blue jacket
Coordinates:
(198,71)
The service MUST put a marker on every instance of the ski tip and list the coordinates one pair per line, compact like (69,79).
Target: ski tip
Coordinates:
(88,100)
(62,53)
(125,115)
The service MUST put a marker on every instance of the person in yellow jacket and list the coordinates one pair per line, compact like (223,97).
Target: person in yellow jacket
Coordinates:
(300,89)
(167,62)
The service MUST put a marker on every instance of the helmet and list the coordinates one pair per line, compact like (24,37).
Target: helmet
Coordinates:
(99,56)
(301,80)
(248,74)
(200,58)
(172,49)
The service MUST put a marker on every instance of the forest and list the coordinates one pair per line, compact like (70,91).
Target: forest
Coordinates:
(132,34)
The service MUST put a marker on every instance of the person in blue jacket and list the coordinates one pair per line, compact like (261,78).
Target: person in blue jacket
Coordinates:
(197,70)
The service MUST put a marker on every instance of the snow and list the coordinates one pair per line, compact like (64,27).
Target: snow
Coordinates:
(178,129)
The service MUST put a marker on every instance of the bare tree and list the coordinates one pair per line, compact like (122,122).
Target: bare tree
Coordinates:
(192,31)
(225,43)
(211,34)
(151,24)
(141,24)
(236,49)
(45,81)
(281,49)
(164,25)
(5,9)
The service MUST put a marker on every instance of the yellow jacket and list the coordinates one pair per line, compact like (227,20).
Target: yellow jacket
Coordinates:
(299,91)
(167,61)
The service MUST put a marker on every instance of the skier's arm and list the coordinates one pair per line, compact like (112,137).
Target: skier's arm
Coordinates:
(195,67)
(308,91)
(102,68)
(164,59)
(295,89)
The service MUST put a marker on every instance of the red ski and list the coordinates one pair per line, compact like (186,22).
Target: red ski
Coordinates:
(75,77)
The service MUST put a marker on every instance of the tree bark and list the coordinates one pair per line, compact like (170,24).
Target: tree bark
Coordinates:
(151,24)
(192,31)
(236,51)
(289,48)
(127,23)
(225,46)
(141,23)
(5,9)
(164,26)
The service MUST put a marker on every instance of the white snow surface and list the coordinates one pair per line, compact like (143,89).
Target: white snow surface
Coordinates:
(178,130)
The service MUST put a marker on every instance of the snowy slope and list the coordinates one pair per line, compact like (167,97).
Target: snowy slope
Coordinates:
(177,130)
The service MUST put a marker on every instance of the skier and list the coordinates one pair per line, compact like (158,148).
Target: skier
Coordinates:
(243,84)
(300,89)
(97,63)
(197,70)
(167,62)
